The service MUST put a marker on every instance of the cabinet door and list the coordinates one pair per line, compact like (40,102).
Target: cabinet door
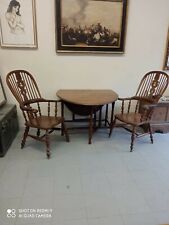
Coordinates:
(6,133)
(14,124)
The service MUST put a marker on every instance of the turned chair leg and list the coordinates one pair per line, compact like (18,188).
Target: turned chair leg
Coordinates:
(132,139)
(150,131)
(47,144)
(62,129)
(112,126)
(38,132)
(65,132)
(25,136)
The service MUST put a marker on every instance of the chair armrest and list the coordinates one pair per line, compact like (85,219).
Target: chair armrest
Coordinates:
(149,106)
(28,109)
(41,106)
(48,100)
(137,98)
(125,99)
(40,100)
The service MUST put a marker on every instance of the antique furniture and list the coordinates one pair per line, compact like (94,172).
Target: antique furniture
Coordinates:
(36,110)
(137,110)
(160,117)
(8,127)
(88,102)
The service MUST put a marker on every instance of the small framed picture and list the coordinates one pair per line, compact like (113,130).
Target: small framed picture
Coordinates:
(166,58)
(94,26)
(18,23)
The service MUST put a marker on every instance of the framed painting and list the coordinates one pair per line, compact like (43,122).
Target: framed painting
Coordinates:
(2,94)
(96,26)
(166,58)
(18,23)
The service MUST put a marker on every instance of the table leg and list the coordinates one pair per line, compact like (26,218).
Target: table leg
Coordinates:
(112,114)
(90,126)
(100,117)
(94,124)
(106,114)
(62,114)
(73,116)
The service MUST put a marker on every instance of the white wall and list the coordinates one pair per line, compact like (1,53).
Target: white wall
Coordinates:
(146,35)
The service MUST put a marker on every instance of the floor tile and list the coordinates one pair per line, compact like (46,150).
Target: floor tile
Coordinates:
(69,207)
(113,220)
(42,186)
(140,219)
(98,206)
(95,183)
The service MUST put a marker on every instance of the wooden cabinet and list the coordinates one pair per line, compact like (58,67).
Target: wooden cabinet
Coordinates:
(8,127)
(160,118)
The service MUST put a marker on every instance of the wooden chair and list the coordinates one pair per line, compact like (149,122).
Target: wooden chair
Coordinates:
(36,110)
(136,111)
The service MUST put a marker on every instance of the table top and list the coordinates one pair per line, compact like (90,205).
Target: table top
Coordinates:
(88,97)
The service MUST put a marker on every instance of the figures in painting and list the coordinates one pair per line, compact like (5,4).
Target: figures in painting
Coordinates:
(14,18)
(89,35)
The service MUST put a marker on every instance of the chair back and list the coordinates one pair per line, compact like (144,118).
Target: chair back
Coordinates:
(23,86)
(153,85)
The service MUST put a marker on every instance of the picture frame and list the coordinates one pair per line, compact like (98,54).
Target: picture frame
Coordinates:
(91,26)
(166,58)
(18,24)
(2,94)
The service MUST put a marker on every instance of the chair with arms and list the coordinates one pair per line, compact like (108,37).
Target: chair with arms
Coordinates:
(136,111)
(36,110)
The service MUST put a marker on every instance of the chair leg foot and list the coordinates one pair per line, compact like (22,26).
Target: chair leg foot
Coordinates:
(38,132)
(112,126)
(24,136)
(151,135)
(48,155)
(132,139)
(47,144)
(65,132)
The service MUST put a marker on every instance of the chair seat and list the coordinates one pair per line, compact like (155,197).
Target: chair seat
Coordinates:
(131,118)
(44,122)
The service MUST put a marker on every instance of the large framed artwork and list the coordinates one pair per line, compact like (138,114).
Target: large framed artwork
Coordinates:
(166,58)
(96,26)
(18,23)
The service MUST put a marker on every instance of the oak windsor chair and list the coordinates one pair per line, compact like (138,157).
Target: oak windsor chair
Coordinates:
(24,88)
(136,111)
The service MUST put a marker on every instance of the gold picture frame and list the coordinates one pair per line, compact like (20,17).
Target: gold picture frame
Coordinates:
(18,24)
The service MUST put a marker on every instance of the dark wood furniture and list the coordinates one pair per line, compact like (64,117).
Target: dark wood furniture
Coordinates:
(137,111)
(88,102)
(160,117)
(38,112)
(8,127)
